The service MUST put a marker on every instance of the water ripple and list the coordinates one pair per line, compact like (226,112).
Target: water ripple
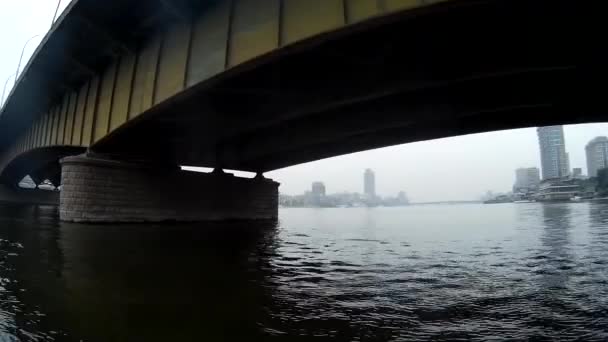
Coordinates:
(507,272)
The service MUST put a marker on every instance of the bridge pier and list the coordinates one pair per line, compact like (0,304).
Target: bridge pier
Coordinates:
(104,191)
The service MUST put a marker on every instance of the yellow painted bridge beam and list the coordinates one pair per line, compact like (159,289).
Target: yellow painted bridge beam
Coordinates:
(226,35)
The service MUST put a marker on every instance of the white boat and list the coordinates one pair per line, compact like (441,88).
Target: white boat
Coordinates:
(557,191)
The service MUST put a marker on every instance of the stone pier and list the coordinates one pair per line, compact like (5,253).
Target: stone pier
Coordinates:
(103,190)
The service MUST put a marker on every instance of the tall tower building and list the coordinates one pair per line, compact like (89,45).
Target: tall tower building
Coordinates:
(369,183)
(553,156)
(597,155)
(318,188)
(317,193)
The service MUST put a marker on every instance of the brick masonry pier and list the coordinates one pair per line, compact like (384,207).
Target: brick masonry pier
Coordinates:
(101,190)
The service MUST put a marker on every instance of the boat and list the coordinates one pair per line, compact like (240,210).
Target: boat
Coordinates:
(558,191)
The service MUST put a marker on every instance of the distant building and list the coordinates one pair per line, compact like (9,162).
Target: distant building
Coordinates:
(488,195)
(597,155)
(318,188)
(402,198)
(526,179)
(577,173)
(554,159)
(369,184)
(317,195)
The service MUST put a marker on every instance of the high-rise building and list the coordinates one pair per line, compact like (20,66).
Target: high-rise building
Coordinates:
(317,195)
(369,183)
(402,198)
(526,179)
(318,188)
(554,159)
(597,155)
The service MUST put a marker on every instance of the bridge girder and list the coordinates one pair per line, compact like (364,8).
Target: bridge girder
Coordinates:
(264,84)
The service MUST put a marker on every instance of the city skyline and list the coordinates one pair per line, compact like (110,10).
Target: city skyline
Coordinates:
(318,196)
(459,168)
(319,189)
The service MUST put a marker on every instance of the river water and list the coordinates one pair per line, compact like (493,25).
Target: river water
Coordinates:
(428,272)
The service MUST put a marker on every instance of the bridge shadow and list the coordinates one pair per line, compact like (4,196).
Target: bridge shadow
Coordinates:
(186,282)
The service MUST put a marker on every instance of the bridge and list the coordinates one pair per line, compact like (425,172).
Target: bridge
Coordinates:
(122,92)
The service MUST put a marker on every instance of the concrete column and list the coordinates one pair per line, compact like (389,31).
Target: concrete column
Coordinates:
(101,190)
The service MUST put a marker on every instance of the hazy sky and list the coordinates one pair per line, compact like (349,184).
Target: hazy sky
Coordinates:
(446,169)
(19,21)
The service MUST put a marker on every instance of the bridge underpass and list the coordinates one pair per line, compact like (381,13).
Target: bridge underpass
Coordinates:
(260,85)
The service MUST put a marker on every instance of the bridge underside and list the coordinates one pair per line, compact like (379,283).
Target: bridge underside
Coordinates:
(452,68)
(40,164)
(413,76)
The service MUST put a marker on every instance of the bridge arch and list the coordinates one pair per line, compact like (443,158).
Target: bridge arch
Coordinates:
(39,163)
(251,84)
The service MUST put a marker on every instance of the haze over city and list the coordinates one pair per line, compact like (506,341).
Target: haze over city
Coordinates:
(458,168)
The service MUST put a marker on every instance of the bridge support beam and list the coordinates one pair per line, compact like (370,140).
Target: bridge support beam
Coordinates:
(104,191)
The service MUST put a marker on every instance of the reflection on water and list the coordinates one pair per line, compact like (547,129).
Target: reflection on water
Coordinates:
(451,272)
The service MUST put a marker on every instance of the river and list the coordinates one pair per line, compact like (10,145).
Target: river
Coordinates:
(423,272)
